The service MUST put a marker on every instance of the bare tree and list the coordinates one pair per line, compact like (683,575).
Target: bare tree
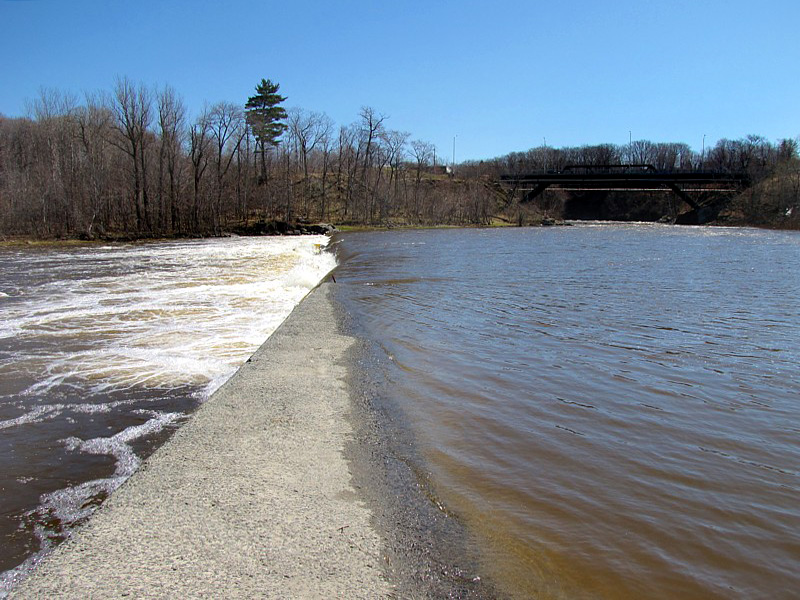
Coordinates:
(423,155)
(132,107)
(227,128)
(94,121)
(199,150)
(51,104)
(172,133)
(325,129)
(370,126)
(55,166)
(395,143)
(349,151)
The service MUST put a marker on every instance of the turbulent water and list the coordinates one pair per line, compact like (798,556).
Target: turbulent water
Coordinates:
(105,349)
(613,410)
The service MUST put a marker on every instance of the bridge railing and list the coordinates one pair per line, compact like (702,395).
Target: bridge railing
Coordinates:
(627,167)
(627,171)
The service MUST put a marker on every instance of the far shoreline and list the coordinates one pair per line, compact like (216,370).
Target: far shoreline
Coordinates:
(295,229)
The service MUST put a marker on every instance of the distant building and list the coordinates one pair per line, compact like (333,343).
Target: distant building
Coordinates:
(439,170)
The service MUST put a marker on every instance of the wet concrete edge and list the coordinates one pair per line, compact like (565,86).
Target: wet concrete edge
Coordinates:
(427,549)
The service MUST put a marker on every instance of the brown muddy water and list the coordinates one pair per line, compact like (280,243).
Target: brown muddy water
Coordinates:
(613,410)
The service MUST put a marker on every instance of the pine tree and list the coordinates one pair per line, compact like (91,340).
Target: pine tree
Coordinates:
(266,117)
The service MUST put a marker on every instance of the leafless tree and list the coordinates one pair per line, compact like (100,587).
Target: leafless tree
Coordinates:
(370,126)
(423,156)
(94,122)
(132,107)
(395,143)
(199,151)
(172,134)
(308,130)
(227,129)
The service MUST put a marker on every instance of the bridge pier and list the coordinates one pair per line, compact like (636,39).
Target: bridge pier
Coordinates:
(531,195)
(683,195)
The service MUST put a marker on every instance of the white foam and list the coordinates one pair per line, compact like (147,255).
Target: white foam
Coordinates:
(145,317)
(71,505)
(38,414)
(161,315)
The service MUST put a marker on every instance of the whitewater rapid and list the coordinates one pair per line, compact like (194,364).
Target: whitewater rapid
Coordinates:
(104,347)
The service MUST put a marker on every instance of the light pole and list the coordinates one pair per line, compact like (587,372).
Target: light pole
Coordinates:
(630,147)
(703,155)
(544,139)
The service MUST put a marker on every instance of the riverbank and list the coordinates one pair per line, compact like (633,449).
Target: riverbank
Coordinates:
(253,497)
(256,228)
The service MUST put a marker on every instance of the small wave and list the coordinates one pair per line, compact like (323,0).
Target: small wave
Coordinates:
(63,509)
(50,411)
(38,414)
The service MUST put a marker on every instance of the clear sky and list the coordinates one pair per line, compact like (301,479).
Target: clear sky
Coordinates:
(498,76)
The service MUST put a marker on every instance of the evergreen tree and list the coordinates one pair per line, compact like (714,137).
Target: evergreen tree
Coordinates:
(265,115)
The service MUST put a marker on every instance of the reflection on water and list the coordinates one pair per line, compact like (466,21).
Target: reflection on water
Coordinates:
(104,349)
(613,409)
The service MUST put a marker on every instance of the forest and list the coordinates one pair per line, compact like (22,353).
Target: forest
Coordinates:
(133,163)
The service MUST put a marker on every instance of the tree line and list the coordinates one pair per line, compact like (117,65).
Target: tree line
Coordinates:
(753,155)
(133,162)
(773,169)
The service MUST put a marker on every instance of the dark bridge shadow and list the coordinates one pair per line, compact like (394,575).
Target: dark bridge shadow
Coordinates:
(690,186)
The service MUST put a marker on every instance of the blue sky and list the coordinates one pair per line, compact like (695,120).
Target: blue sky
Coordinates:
(499,76)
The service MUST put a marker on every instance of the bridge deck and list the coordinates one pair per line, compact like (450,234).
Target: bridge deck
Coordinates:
(568,178)
(625,177)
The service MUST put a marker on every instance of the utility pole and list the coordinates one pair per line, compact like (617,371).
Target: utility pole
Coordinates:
(544,139)
(703,155)
(454,154)
(630,147)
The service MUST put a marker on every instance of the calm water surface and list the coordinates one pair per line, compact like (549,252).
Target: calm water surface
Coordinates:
(613,409)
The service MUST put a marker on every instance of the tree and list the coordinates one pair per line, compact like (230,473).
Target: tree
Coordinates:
(132,107)
(93,122)
(172,132)
(423,154)
(308,130)
(370,127)
(787,150)
(395,143)
(266,117)
(199,149)
(225,123)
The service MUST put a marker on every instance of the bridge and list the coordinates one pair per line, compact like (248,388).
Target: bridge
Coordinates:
(633,178)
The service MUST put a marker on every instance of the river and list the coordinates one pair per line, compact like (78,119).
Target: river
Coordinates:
(106,349)
(612,410)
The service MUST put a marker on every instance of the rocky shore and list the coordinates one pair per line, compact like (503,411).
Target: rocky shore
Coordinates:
(284,228)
